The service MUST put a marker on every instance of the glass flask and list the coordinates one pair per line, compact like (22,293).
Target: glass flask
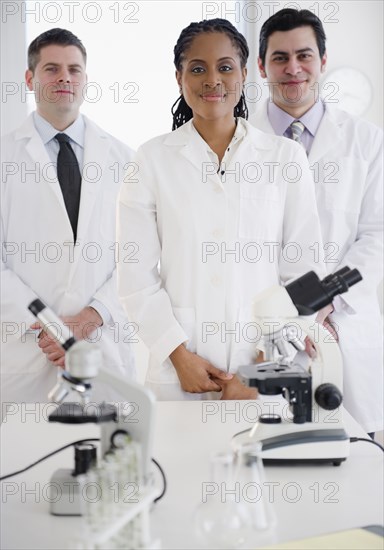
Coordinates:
(250,474)
(221,520)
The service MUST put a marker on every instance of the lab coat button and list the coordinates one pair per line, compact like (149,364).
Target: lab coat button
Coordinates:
(216,280)
(217,233)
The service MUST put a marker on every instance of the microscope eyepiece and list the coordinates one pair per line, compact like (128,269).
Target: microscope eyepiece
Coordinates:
(309,294)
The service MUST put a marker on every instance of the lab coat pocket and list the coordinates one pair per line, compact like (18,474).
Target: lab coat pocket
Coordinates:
(258,216)
(344,180)
(187,318)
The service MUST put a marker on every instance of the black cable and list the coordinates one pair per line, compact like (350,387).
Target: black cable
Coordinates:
(351,439)
(164,481)
(242,432)
(48,456)
(76,443)
(354,439)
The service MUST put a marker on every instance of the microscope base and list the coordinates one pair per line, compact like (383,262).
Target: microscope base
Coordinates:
(66,497)
(298,444)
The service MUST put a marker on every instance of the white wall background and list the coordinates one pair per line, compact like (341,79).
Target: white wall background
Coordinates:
(130,52)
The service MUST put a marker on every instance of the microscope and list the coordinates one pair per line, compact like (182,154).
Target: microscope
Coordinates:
(83,363)
(311,428)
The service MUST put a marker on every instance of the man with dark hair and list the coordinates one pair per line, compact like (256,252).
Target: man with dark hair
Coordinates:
(61,177)
(60,37)
(345,155)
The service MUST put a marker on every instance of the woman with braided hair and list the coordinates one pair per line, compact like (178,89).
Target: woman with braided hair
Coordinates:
(209,212)
(181,111)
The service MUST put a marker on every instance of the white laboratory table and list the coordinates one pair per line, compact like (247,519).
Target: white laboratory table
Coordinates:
(307,500)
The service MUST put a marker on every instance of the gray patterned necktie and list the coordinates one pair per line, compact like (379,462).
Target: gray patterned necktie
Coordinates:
(297,128)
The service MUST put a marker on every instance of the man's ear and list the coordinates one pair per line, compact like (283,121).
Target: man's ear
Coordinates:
(324,62)
(28,79)
(263,74)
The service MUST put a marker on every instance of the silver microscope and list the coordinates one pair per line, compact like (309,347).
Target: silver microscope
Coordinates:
(83,363)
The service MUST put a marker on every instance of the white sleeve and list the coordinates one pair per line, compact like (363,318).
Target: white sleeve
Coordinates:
(139,284)
(15,295)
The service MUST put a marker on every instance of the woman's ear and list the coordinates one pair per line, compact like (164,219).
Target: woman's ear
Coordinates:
(178,79)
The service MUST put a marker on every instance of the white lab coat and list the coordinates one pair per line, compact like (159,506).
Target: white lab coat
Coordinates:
(218,242)
(346,161)
(65,277)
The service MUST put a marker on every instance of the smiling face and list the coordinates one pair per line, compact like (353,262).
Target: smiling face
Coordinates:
(211,78)
(58,82)
(293,68)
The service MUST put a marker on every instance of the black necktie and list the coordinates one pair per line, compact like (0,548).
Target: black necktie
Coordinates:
(68,174)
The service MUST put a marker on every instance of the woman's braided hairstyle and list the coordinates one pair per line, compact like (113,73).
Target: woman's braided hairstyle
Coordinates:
(181,112)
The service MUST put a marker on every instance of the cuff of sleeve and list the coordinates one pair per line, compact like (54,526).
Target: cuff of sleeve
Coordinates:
(102,311)
(162,349)
(339,305)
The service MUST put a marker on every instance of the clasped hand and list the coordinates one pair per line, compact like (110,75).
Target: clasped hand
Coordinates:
(197,375)
(82,325)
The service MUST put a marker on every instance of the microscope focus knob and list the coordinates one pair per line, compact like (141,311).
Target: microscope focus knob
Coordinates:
(270,419)
(328,396)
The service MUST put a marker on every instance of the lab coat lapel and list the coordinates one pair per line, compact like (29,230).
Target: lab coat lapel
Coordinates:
(94,173)
(42,163)
(328,137)
(194,150)
(198,156)
(253,147)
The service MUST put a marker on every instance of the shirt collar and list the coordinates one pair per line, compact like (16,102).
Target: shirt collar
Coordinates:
(240,132)
(47,132)
(280,120)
